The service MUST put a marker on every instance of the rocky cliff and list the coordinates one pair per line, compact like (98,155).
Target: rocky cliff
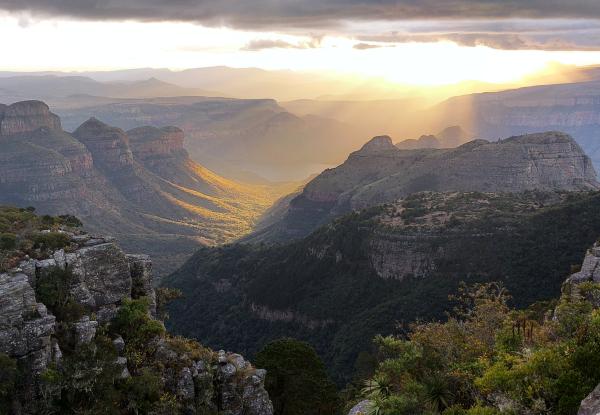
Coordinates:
(109,146)
(381,173)
(102,279)
(150,143)
(143,189)
(572,107)
(26,116)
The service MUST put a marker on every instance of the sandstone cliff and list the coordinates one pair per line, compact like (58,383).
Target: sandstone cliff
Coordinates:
(108,145)
(381,173)
(26,116)
(103,279)
(571,107)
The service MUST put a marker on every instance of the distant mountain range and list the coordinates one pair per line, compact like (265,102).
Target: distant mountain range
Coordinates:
(53,87)
(283,85)
(382,173)
(573,108)
(343,114)
(140,186)
(246,139)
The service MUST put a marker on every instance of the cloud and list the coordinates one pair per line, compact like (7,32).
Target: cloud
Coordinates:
(254,14)
(260,44)
(365,46)
(502,24)
(505,41)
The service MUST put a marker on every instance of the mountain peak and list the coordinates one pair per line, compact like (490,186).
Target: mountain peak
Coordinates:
(378,144)
(27,116)
(109,145)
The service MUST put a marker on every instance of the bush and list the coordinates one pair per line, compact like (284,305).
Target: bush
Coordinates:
(138,330)
(50,240)
(8,241)
(70,220)
(134,323)
(54,290)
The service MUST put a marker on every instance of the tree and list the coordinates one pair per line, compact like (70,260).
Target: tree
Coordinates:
(296,379)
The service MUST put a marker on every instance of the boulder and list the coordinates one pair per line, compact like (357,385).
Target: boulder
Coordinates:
(591,404)
(101,275)
(361,408)
(84,330)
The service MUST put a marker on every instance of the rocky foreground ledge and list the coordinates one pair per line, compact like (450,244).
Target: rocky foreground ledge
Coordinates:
(103,278)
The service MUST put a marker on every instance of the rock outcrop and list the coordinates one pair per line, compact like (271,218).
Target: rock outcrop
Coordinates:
(361,408)
(26,116)
(589,273)
(25,325)
(150,144)
(591,404)
(109,145)
(381,173)
(103,276)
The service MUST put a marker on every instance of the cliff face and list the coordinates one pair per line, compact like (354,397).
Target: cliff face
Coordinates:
(381,173)
(27,116)
(151,144)
(143,189)
(573,108)
(103,278)
(109,146)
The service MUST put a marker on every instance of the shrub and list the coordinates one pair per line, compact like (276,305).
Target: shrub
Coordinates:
(70,220)
(138,329)
(50,240)
(8,241)
(134,323)
(164,296)
(54,290)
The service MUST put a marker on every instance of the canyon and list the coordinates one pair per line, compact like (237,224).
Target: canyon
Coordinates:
(143,189)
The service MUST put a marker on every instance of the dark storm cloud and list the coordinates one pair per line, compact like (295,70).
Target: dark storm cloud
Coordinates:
(255,14)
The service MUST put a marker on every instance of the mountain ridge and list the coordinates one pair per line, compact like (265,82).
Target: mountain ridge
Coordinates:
(155,190)
(542,161)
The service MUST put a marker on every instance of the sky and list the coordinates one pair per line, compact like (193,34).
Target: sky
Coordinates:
(430,42)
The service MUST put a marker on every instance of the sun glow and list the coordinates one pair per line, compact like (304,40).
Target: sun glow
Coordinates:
(73,45)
